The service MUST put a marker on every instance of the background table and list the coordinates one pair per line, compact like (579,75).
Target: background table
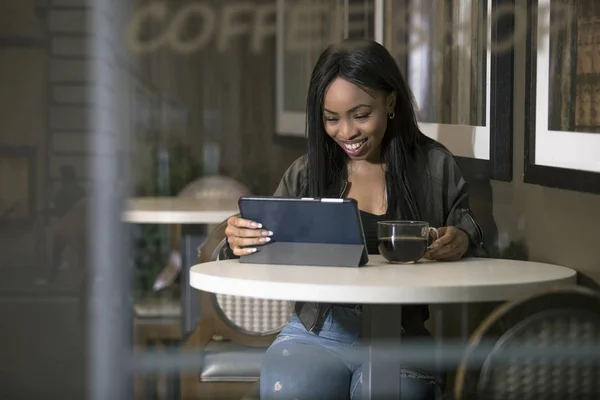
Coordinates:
(194,216)
(381,283)
(178,210)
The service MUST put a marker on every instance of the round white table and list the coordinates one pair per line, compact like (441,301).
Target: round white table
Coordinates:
(427,282)
(379,284)
(178,210)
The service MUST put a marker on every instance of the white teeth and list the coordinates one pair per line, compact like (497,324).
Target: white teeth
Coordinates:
(353,146)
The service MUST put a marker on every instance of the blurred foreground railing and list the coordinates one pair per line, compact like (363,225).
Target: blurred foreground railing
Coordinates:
(446,355)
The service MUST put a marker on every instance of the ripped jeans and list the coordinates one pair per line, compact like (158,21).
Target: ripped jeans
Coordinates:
(303,365)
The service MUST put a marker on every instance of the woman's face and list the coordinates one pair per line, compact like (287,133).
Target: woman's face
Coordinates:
(356,119)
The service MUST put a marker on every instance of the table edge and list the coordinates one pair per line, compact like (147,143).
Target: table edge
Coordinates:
(283,291)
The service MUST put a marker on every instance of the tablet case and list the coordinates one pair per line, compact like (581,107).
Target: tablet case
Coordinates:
(307,231)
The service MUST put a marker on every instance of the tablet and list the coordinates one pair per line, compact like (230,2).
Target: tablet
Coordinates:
(307,231)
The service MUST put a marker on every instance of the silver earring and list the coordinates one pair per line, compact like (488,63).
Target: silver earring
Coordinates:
(392,115)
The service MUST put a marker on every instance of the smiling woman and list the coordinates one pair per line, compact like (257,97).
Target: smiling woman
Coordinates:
(364,143)
(359,103)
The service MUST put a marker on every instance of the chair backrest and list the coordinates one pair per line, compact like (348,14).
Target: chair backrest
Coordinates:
(219,188)
(509,355)
(214,187)
(247,321)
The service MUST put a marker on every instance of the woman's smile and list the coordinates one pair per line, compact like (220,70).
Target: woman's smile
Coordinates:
(354,148)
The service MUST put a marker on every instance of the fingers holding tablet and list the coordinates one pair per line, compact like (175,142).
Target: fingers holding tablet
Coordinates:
(242,234)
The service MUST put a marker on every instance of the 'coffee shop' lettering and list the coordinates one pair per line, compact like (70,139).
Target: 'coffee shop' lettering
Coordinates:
(304,25)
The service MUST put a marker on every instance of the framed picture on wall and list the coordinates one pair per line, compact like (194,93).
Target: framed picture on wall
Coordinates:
(562,133)
(304,29)
(457,56)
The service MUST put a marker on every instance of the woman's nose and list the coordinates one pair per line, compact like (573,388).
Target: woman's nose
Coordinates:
(348,131)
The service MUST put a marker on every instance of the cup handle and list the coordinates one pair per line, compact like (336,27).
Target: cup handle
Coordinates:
(432,232)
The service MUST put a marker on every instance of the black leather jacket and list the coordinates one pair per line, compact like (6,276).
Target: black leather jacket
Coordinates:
(444,203)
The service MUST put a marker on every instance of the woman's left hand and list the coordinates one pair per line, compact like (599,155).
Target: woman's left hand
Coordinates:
(450,246)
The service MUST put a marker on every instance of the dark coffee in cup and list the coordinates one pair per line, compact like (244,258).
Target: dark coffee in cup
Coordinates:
(404,241)
(402,249)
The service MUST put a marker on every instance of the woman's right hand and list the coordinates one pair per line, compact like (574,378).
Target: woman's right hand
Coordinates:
(243,235)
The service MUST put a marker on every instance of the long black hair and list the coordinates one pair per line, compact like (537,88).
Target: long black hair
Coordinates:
(369,65)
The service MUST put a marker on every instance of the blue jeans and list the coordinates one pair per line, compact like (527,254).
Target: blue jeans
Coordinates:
(307,365)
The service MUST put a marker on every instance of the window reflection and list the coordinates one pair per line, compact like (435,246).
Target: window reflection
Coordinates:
(311,25)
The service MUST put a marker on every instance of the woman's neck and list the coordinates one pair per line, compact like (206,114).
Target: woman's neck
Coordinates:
(364,166)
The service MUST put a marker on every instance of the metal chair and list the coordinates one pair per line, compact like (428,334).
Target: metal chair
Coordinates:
(509,356)
(233,334)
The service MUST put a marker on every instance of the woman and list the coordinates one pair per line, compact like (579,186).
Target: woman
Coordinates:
(363,143)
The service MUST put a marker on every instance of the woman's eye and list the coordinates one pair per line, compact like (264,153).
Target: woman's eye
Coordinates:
(331,119)
(362,116)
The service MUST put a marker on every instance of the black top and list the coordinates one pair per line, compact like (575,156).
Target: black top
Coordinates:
(369,224)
